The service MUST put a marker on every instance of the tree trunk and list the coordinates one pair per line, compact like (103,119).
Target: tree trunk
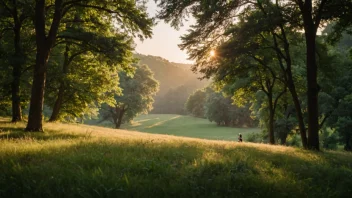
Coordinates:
(312,92)
(291,85)
(348,146)
(35,115)
(271,119)
(16,71)
(299,114)
(44,46)
(283,140)
(313,122)
(58,104)
(119,121)
(60,96)
(16,98)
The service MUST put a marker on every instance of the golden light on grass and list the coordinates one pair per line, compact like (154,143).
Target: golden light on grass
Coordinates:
(91,154)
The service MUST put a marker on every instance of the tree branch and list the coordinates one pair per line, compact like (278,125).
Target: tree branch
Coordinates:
(6,6)
(278,97)
(325,118)
(319,14)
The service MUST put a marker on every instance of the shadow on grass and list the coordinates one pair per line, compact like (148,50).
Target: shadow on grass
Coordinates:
(18,133)
(5,121)
(103,168)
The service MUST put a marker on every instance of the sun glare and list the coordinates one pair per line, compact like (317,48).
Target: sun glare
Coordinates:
(212,53)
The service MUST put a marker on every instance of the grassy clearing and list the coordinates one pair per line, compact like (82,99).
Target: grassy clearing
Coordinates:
(87,161)
(185,126)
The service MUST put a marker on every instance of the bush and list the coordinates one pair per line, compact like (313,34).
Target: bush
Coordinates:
(294,140)
(329,139)
(255,137)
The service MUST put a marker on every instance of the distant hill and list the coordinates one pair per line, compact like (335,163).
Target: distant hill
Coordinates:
(177,82)
(183,65)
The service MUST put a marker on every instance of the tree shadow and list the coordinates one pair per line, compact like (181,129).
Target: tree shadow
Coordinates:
(13,133)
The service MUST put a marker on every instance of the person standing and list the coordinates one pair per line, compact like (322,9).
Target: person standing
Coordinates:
(239,137)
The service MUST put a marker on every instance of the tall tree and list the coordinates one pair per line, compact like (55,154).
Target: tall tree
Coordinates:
(127,14)
(15,16)
(83,53)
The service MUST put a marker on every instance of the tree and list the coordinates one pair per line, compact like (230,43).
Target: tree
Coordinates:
(337,101)
(195,103)
(137,96)
(220,109)
(245,62)
(15,17)
(246,39)
(86,82)
(252,53)
(127,14)
(90,62)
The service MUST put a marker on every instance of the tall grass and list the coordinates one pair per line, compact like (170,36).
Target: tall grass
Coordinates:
(85,161)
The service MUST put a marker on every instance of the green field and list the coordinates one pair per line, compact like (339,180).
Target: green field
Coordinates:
(186,126)
(74,160)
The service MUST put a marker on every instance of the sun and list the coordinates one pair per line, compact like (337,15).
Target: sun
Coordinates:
(212,53)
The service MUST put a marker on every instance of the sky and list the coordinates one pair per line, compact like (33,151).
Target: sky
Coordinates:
(165,40)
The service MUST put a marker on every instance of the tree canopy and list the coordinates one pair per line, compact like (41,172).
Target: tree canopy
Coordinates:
(136,98)
(276,19)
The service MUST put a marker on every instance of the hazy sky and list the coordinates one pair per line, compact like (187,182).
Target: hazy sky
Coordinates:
(164,41)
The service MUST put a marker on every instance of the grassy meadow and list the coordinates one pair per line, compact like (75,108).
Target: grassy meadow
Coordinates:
(187,126)
(73,160)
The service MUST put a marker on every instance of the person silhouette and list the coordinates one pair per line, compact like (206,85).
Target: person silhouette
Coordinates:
(239,137)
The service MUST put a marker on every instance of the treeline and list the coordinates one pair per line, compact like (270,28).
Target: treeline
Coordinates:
(268,53)
(206,103)
(78,55)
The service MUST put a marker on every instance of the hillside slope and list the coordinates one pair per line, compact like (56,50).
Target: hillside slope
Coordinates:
(72,160)
(167,73)
(176,80)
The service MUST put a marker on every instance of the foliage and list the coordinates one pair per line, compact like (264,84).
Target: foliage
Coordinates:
(215,18)
(88,62)
(195,103)
(97,36)
(88,84)
(284,127)
(137,96)
(335,102)
(294,140)
(256,138)
(344,121)
(17,54)
(173,102)
(220,109)
(329,139)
